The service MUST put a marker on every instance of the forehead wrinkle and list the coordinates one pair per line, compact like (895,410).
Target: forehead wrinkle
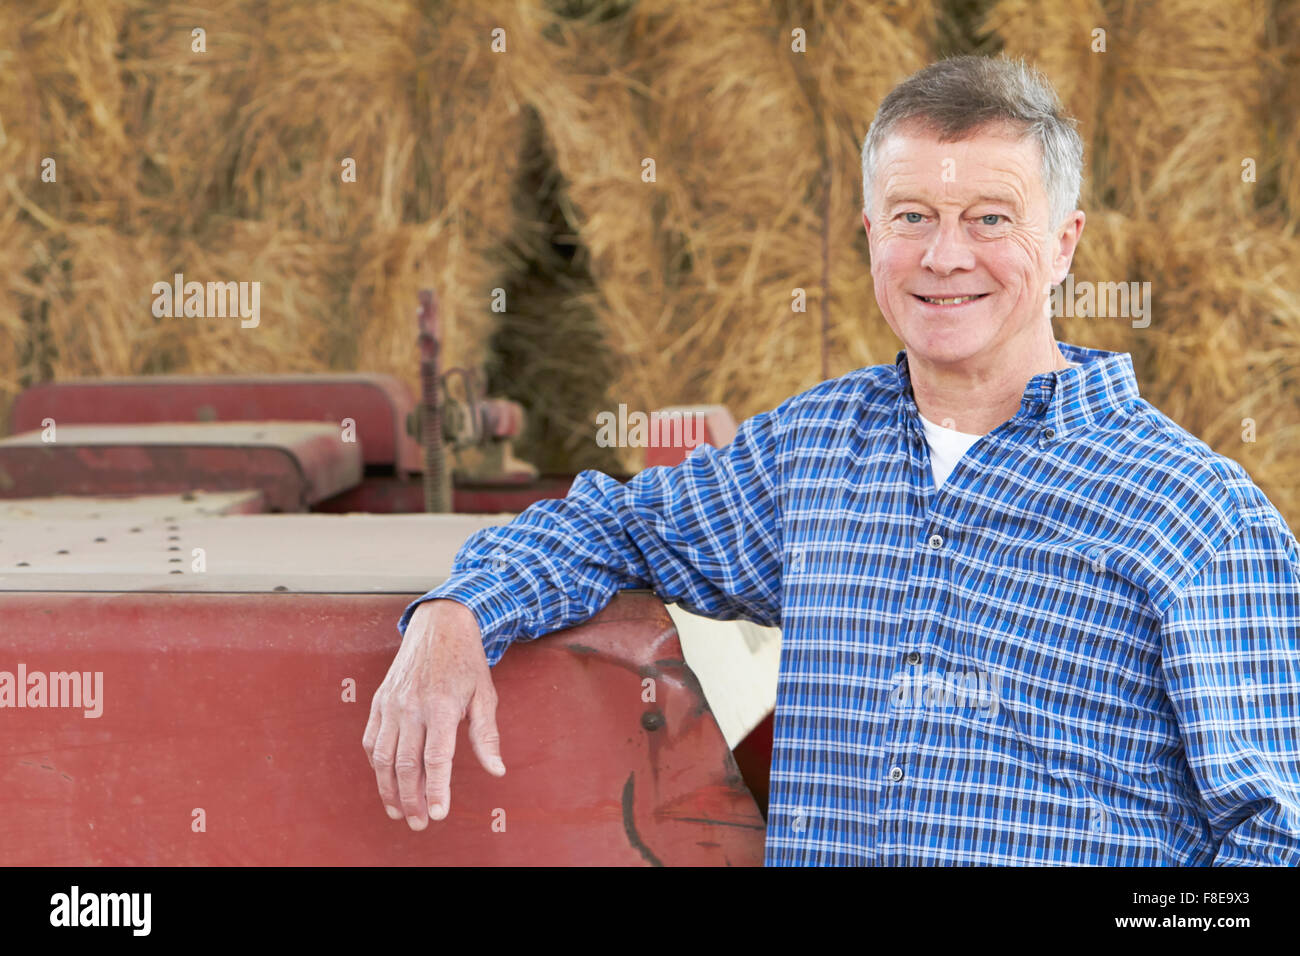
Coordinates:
(900,168)
(905,185)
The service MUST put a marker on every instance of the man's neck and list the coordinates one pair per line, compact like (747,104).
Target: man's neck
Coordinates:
(979,400)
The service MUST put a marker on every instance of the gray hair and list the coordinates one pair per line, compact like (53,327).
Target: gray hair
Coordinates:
(959,96)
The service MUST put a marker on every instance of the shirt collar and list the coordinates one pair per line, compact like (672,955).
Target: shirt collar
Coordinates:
(1064,400)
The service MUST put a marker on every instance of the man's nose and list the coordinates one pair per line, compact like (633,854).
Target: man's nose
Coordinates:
(949,250)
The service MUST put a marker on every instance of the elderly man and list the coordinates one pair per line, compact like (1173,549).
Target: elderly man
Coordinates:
(1026,618)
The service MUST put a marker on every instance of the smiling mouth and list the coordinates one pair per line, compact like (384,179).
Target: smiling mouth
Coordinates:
(954,300)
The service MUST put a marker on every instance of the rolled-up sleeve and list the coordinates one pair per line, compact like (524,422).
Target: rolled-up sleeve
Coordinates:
(1231,663)
(705,533)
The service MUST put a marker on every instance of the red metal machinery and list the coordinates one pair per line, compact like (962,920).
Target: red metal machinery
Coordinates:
(239,651)
(231,727)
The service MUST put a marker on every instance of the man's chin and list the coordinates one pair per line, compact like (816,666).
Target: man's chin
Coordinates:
(945,347)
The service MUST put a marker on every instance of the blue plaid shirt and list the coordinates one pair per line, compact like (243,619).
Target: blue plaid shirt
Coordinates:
(1081,650)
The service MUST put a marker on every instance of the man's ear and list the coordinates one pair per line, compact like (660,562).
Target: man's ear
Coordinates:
(1067,240)
(866,223)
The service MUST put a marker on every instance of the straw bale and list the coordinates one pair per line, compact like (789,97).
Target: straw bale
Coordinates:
(1283,116)
(521,171)
(196,151)
(1188,92)
(696,272)
(1222,344)
(1058,40)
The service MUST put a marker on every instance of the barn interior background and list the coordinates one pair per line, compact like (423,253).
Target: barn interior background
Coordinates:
(522,170)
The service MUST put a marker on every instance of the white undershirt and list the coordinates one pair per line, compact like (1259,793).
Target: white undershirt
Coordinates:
(947,445)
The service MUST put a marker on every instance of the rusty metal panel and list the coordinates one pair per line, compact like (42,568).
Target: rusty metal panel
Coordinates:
(754,758)
(294,464)
(384,494)
(233,709)
(379,404)
(709,425)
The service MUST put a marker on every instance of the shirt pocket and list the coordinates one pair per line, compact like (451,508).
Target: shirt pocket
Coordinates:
(1072,651)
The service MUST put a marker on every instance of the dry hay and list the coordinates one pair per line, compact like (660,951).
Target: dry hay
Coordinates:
(476,170)
(696,273)
(1189,81)
(1223,346)
(227,166)
(1058,39)
(1284,116)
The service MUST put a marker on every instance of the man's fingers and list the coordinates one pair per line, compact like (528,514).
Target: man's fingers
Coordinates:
(409,769)
(410,737)
(483,735)
(372,730)
(439,748)
(383,759)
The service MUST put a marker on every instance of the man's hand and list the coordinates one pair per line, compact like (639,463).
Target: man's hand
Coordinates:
(439,675)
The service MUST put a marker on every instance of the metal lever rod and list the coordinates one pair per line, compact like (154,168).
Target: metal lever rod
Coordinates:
(437,483)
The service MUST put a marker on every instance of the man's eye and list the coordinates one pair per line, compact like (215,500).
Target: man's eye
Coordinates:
(907,217)
(991,219)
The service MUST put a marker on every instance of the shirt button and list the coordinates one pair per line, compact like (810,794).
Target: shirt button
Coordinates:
(914,658)
(936,541)
(896,774)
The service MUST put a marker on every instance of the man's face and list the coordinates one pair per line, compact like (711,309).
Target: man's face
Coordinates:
(961,219)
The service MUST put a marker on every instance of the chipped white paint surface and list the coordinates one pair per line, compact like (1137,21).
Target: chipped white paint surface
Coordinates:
(153,549)
(737,663)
